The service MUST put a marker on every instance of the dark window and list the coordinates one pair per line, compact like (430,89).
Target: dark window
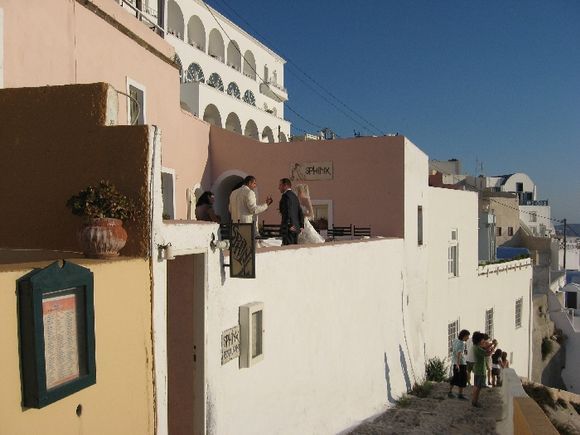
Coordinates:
(420,225)
(136,106)
(498,231)
(510,231)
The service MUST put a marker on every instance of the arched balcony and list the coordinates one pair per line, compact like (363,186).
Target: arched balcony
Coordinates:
(234,56)
(233,123)
(251,130)
(267,135)
(175,23)
(215,81)
(194,74)
(250,65)
(212,115)
(196,33)
(249,97)
(234,90)
(216,45)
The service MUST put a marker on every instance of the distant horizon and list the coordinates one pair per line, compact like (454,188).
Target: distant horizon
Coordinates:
(493,82)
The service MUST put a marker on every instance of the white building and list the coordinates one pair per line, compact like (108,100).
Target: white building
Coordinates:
(229,78)
(342,329)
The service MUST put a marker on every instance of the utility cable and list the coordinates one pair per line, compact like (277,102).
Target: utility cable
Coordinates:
(313,80)
(256,72)
(528,212)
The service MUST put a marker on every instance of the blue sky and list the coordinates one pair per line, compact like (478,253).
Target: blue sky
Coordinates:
(496,81)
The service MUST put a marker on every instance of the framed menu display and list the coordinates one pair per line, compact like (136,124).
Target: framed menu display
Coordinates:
(57,334)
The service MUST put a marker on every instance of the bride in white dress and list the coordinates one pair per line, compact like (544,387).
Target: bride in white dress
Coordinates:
(308,234)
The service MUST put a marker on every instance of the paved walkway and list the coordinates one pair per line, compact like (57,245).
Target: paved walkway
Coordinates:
(438,414)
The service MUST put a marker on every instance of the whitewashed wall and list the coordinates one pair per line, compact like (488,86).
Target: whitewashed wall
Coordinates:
(416,256)
(563,321)
(334,348)
(467,296)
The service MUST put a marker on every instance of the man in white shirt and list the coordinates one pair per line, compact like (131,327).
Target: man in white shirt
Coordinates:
(243,206)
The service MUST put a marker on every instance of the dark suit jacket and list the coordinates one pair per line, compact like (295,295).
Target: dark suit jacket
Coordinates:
(291,211)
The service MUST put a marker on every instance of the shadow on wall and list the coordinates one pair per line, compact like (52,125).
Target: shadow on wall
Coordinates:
(390,397)
(405,369)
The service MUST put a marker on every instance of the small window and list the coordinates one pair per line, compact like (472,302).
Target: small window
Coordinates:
(136,105)
(489,322)
(510,231)
(533,216)
(453,255)
(452,332)
(168,192)
(498,231)
(420,225)
(251,334)
(519,187)
(519,305)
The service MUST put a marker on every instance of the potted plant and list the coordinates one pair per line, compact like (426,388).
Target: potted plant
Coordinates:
(104,209)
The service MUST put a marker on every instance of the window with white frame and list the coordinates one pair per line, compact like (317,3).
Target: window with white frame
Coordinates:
(519,305)
(453,254)
(251,334)
(452,333)
(489,322)
(136,105)
(322,219)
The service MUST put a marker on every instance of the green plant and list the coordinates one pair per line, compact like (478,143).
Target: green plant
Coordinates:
(422,390)
(102,201)
(404,401)
(436,370)
(547,347)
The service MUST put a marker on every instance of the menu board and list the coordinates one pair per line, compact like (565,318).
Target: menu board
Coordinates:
(61,344)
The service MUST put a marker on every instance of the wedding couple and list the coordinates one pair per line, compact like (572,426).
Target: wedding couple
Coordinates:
(296,210)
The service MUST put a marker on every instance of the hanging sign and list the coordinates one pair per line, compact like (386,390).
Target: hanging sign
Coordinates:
(242,251)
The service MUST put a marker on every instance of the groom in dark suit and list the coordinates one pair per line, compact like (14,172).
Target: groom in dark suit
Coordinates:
(292,215)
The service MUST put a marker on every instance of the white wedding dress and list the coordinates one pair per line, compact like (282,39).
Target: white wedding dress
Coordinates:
(308,234)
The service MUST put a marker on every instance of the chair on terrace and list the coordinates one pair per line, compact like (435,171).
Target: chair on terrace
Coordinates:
(268,231)
(362,231)
(335,232)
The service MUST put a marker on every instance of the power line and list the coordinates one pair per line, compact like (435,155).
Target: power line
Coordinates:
(528,212)
(313,80)
(256,72)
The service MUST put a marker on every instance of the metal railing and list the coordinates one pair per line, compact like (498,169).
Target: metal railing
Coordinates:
(146,14)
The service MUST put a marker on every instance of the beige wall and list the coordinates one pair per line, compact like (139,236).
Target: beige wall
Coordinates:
(121,402)
(368,184)
(505,207)
(101,42)
(54,144)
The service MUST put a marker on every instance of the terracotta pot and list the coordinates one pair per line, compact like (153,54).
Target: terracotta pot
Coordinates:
(102,237)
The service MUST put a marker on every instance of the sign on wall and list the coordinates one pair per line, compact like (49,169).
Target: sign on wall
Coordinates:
(230,344)
(311,171)
(242,251)
(57,332)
